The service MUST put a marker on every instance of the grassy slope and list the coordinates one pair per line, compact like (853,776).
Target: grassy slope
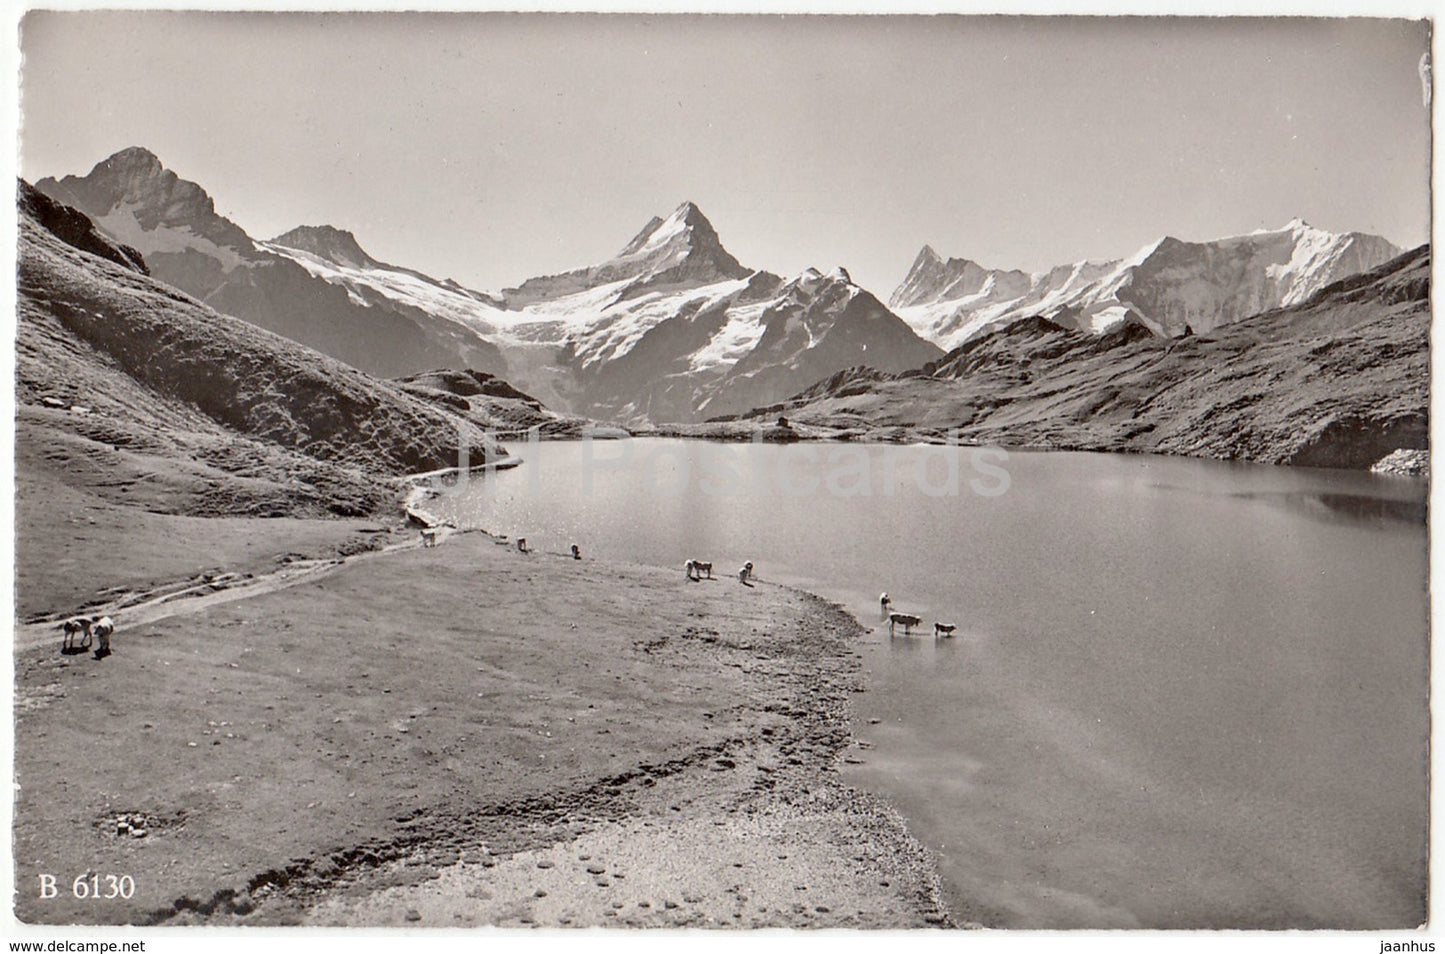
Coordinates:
(414,706)
(1340,381)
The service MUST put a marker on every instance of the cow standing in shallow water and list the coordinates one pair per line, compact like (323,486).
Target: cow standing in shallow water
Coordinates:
(907,619)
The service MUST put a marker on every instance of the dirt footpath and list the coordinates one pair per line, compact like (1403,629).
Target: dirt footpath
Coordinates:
(437,737)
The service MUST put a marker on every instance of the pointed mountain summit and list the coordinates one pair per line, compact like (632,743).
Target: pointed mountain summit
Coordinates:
(337,246)
(926,276)
(136,201)
(932,279)
(684,247)
(130,194)
(680,250)
(684,219)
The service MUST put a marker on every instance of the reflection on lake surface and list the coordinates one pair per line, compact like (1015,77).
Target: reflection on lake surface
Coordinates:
(1359,507)
(1182,693)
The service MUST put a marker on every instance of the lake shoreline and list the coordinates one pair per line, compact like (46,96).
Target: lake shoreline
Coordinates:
(1056,660)
(275,766)
(1412,463)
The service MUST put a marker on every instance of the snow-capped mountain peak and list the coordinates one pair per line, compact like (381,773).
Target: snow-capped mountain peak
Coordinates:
(682,249)
(690,334)
(131,196)
(684,243)
(813,284)
(933,279)
(379,319)
(685,226)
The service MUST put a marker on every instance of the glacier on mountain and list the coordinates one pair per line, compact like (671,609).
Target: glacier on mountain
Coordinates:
(1169,286)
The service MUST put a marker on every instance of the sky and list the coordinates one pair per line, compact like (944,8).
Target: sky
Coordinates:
(490,148)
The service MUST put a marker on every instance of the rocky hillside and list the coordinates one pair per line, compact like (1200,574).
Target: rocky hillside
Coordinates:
(1338,380)
(75,228)
(1171,287)
(128,372)
(494,404)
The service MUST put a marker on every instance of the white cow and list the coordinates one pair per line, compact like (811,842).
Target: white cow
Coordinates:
(103,627)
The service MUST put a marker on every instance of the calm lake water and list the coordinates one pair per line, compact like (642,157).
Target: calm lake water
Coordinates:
(1181,693)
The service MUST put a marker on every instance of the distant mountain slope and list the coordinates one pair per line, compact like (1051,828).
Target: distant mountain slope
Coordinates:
(818,323)
(240,419)
(495,404)
(174,225)
(1169,286)
(1338,380)
(672,328)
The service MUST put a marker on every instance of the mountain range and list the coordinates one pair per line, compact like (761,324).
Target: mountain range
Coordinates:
(1170,286)
(1341,379)
(673,328)
(670,328)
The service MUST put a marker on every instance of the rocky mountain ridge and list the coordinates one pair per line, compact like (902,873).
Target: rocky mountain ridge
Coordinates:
(658,331)
(1171,287)
(132,198)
